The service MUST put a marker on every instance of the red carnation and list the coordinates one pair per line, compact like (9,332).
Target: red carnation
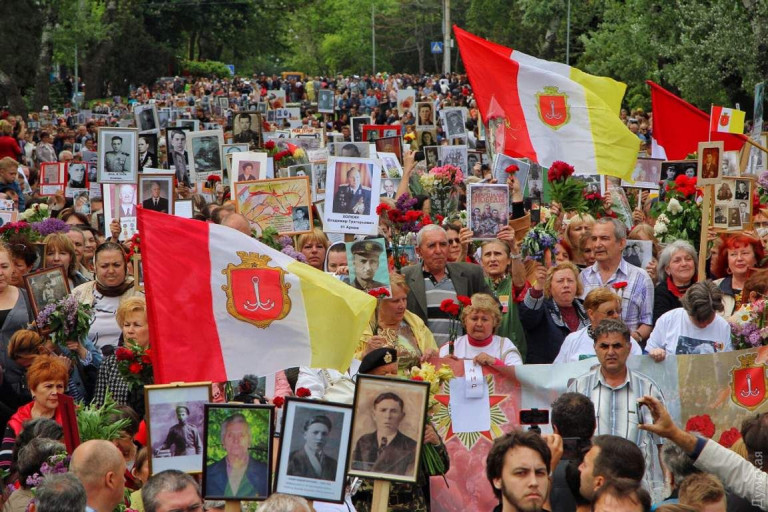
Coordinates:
(559,170)
(701,424)
(303,392)
(278,401)
(730,436)
(464,300)
(412,215)
(134,367)
(445,305)
(439,218)
(123,354)
(620,285)
(454,309)
(146,359)
(213,178)
(417,378)
(511,169)
(379,293)
(270,145)
(383,207)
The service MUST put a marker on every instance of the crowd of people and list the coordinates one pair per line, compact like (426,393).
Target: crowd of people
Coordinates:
(589,299)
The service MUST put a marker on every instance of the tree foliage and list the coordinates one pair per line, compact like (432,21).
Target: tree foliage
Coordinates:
(258,421)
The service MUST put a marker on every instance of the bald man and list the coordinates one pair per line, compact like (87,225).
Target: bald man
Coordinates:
(101,468)
(239,222)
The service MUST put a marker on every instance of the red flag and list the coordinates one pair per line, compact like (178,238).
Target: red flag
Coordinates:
(678,126)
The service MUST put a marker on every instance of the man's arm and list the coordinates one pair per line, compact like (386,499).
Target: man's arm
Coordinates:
(737,474)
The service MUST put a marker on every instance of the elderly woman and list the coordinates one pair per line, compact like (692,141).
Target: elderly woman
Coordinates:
(600,303)
(46,379)
(59,251)
(313,246)
(756,287)
(23,256)
(551,311)
(132,320)
(480,320)
(576,226)
(505,275)
(111,287)
(737,257)
(677,271)
(398,328)
(695,328)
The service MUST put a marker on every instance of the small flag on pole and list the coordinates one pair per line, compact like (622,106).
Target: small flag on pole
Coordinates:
(726,120)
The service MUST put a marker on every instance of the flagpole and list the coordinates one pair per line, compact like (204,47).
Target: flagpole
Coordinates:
(709,132)
(758,146)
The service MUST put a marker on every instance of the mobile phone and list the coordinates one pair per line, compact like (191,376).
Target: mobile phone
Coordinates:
(419,156)
(640,413)
(534,417)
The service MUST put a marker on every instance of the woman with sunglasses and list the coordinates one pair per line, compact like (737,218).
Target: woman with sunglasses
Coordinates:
(458,242)
(600,303)
(112,286)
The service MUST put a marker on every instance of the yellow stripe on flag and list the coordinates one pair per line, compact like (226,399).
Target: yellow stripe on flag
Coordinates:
(606,88)
(337,315)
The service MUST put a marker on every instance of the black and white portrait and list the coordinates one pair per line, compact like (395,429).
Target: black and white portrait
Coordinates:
(638,252)
(742,190)
(178,160)
(246,128)
(204,149)
(46,287)
(147,118)
(454,122)
(118,151)
(325,101)
(147,147)
(77,173)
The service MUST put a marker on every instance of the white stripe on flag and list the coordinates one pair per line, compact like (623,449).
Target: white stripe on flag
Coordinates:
(241,342)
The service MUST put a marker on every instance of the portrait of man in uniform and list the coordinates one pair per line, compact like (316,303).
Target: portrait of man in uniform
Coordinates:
(116,160)
(352,196)
(243,128)
(366,260)
(183,438)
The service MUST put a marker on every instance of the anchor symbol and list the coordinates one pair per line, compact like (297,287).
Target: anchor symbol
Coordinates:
(255,306)
(552,114)
(749,391)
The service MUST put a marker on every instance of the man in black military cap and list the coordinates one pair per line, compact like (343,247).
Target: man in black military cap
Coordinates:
(365,263)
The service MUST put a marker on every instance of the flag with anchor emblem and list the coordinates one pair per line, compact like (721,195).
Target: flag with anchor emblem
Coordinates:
(221,305)
(548,111)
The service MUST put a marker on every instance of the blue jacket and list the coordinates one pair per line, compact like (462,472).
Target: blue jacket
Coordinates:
(544,327)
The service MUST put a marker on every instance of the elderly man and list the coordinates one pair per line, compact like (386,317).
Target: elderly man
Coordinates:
(100,466)
(436,280)
(171,490)
(59,492)
(353,197)
(631,283)
(615,389)
(237,475)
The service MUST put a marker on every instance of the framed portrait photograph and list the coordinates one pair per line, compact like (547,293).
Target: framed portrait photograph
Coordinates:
(156,192)
(426,136)
(178,159)
(319,173)
(350,149)
(175,425)
(457,155)
(754,160)
(388,428)
(249,166)
(710,162)
(731,164)
(354,185)
(393,145)
(367,261)
(81,200)
(148,153)
(454,121)
(246,129)
(147,119)
(430,155)
(120,203)
(638,252)
(357,124)
(406,101)
(46,286)
(390,165)
(488,208)
(282,203)
(77,175)
(325,101)
(425,114)
(191,125)
(238,437)
(164,117)
(647,174)
(204,150)
(52,176)
(118,155)
(314,449)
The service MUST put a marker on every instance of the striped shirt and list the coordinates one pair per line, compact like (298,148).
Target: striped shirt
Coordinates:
(617,412)
(438,321)
(636,296)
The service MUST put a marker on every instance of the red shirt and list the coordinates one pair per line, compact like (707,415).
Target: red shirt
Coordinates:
(9,147)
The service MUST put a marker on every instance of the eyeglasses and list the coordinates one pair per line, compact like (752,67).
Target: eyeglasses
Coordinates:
(190,508)
(454,241)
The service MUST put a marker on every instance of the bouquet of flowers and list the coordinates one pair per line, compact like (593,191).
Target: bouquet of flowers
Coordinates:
(294,155)
(595,205)
(679,217)
(66,320)
(403,223)
(48,226)
(283,243)
(439,184)
(134,246)
(760,200)
(134,363)
(36,213)
(410,138)
(93,422)
(55,465)
(540,241)
(436,379)
(20,229)
(748,326)
(453,310)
